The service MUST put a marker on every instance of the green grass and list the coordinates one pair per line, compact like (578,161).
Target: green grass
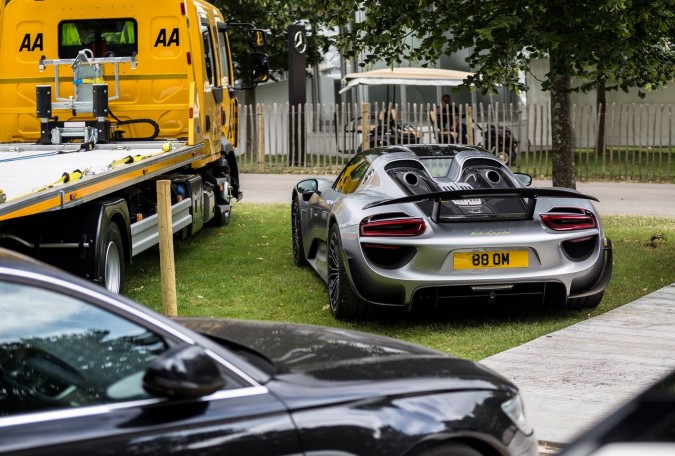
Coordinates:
(618,164)
(245,270)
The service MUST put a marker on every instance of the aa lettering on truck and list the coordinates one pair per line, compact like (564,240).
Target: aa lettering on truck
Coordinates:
(30,41)
(166,39)
(32,44)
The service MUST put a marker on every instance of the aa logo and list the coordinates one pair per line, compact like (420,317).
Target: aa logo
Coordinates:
(165,39)
(28,44)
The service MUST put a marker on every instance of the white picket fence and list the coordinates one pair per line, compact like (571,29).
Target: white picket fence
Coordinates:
(320,139)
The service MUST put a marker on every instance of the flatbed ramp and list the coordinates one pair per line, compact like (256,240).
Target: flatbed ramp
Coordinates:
(31,179)
(572,378)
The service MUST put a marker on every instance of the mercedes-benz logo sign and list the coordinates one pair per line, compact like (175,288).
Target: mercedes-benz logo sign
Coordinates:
(300,42)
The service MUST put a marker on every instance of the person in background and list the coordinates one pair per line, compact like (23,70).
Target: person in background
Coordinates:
(449,123)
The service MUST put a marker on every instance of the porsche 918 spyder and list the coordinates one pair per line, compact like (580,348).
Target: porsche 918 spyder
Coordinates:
(436,225)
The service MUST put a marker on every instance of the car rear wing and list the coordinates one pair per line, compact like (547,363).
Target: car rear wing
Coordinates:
(481,204)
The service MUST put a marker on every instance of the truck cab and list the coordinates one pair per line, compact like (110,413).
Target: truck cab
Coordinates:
(152,79)
(183,82)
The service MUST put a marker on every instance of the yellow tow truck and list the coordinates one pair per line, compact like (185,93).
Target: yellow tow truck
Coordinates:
(100,100)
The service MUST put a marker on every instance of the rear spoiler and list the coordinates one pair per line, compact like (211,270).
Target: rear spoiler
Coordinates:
(453,196)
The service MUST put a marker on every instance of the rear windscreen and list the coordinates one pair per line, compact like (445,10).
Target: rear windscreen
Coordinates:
(104,37)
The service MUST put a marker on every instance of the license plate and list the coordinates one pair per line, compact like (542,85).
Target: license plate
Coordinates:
(491,259)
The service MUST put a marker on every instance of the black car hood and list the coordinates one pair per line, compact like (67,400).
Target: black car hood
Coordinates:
(319,357)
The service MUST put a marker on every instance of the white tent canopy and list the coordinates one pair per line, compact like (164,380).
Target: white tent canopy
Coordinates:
(406,76)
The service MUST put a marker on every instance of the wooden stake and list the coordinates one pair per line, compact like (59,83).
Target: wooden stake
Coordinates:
(166,259)
(261,138)
(469,125)
(365,129)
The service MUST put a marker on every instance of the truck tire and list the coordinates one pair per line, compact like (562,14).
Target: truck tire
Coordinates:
(222,218)
(111,259)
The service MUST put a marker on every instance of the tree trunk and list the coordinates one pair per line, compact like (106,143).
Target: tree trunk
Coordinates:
(561,123)
(601,105)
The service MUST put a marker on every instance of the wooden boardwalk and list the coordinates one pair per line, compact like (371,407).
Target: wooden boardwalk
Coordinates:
(573,377)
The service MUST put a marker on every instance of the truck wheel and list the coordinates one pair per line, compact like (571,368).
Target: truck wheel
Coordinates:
(111,259)
(222,218)
(344,303)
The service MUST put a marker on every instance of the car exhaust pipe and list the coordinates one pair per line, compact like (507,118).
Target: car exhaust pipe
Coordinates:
(493,176)
(411,179)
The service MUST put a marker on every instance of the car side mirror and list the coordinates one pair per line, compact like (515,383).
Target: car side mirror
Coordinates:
(260,67)
(183,372)
(307,188)
(524,179)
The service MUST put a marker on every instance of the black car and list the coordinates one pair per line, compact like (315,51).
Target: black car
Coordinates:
(84,371)
(644,426)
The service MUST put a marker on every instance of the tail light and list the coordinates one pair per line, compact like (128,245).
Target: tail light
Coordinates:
(569,222)
(392,227)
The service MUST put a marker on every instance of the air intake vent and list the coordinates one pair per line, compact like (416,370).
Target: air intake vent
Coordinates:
(455,186)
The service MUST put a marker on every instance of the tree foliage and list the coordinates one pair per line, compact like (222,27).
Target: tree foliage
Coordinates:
(617,43)
(275,17)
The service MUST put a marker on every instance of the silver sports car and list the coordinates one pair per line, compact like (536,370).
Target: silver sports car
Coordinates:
(433,225)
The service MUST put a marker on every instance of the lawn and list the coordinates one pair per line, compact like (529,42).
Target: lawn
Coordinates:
(245,270)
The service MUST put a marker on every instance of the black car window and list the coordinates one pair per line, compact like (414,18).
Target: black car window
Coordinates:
(350,177)
(57,351)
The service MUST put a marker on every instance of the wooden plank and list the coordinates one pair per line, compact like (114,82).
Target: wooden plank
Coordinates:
(572,378)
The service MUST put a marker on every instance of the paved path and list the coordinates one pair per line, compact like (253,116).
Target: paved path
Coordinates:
(616,198)
(573,377)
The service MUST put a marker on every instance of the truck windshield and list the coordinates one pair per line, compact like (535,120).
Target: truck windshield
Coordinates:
(105,37)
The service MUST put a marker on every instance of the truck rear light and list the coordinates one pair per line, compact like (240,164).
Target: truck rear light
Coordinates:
(392,227)
(189,58)
(569,222)
(191,113)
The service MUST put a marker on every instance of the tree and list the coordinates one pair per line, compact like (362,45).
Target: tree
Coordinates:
(617,43)
(275,17)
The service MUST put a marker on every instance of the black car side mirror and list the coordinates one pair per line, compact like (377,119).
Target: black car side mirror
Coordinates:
(185,371)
